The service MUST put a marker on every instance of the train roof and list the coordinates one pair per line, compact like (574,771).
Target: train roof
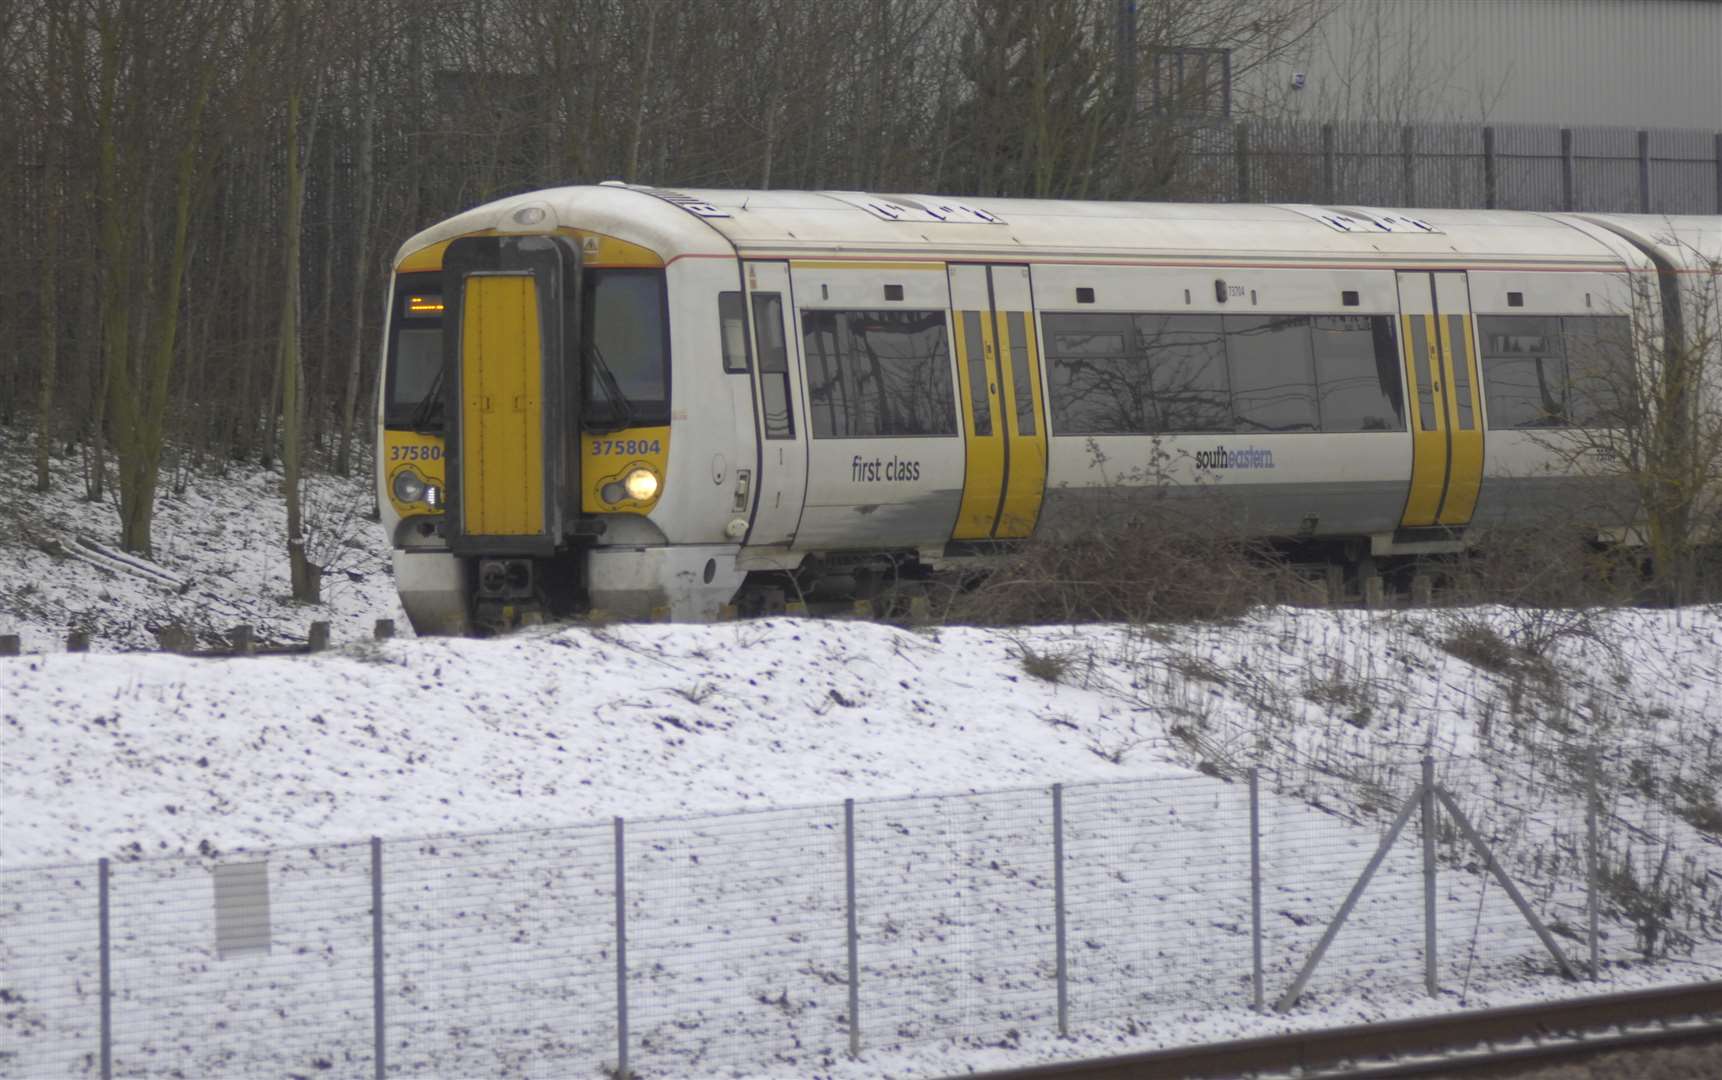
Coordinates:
(1684,241)
(792,224)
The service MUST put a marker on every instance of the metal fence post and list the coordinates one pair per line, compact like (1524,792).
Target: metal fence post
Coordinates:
(1256,889)
(1567,169)
(853,932)
(1429,943)
(1489,168)
(107,970)
(377,1024)
(1328,169)
(1241,159)
(621,959)
(1643,171)
(1719,172)
(1058,907)
(1408,163)
(1591,873)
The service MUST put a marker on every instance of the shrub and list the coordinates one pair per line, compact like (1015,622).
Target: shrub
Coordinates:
(1157,560)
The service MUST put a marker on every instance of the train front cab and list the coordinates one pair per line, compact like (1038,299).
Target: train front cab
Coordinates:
(525,442)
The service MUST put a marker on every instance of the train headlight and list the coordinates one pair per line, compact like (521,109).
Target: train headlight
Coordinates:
(408,486)
(433,495)
(641,485)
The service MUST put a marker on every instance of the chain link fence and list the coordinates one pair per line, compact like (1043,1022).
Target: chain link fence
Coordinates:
(1501,166)
(788,939)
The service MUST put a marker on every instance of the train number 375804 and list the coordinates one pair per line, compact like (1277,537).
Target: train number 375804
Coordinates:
(602,447)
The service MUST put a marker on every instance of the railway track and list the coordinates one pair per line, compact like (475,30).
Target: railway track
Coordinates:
(1489,1039)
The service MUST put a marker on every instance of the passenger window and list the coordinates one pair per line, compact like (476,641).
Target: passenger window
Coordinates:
(1097,385)
(974,349)
(1600,372)
(1425,380)
(1272,372)
(732,331)
(878,373)
(1461,354)
(1524,371)
(774,388)
(1021,387)
(1357,373)
(1169,374)
(1187,372)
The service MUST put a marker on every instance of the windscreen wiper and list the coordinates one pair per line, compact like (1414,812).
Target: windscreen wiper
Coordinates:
(433,397)
(621,409)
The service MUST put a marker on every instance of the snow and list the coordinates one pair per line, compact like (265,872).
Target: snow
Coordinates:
(492,770)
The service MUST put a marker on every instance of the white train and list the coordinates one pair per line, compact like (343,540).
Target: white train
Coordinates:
(663,403)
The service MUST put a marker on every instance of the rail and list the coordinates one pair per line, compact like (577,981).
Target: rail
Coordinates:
(1405,1047)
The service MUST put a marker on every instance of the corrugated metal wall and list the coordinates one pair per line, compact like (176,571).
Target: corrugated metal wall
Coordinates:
(1629,63)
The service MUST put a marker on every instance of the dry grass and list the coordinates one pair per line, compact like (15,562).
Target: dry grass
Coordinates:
(1184,561)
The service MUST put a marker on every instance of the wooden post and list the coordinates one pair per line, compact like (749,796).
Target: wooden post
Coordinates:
(175,639)
(318,639)
(385,629)
(243,639)
(1422,590)
(78,641)
(11,645)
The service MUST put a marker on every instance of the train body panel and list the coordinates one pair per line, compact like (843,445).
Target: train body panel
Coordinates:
(770,386)
(884,452)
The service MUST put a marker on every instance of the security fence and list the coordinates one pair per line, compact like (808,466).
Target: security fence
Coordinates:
(786,939)
(1501,166)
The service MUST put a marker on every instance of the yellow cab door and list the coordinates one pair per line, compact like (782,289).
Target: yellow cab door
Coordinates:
(510,304)
(1004,427)
(1446,422)
(501,409)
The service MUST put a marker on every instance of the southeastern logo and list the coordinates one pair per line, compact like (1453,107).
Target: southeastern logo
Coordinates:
(1250,457)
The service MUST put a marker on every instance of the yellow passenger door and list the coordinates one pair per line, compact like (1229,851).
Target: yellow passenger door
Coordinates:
(1004,426)
(1446,421)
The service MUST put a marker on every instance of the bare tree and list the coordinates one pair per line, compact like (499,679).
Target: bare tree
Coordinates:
(153,57)
(1639,407)
(53,197)
(364,82)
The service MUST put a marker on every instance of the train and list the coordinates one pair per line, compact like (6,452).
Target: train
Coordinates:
(647,403)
